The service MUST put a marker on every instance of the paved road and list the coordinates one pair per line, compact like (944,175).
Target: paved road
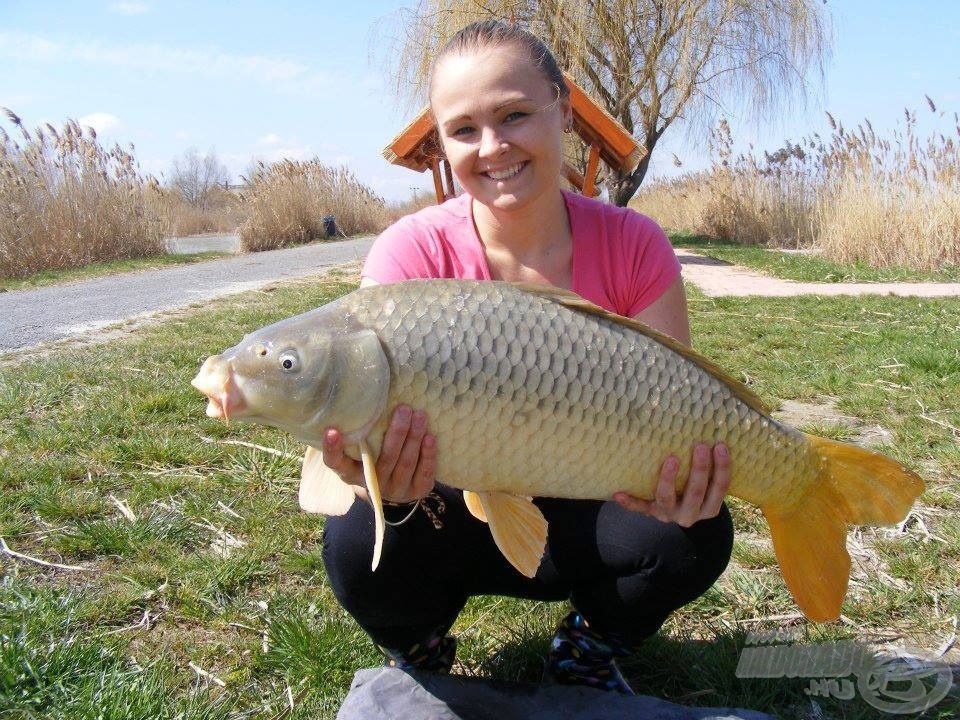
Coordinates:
(32,317)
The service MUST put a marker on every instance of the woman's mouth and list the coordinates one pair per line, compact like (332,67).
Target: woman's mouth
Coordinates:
(507,172)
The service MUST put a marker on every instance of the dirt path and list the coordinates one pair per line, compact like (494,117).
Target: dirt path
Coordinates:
(29,318)
(716,278)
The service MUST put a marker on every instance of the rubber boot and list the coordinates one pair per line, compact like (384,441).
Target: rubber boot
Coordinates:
(581,656)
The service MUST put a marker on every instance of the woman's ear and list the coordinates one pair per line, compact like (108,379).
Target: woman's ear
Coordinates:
(566,112)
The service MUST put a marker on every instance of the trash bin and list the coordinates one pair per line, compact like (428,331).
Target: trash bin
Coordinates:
(330,225)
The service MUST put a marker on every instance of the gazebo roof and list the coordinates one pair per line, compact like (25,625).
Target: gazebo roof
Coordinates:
(418,144)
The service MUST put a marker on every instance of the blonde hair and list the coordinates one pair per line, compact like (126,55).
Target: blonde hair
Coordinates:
(487,34)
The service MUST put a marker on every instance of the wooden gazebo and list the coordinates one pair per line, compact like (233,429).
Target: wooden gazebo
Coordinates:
(418,146)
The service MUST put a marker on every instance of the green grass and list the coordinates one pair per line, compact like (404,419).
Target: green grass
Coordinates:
(121,420)
(805,267)
(53,277)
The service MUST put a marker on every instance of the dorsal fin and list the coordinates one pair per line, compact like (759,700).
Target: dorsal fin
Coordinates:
(575,302)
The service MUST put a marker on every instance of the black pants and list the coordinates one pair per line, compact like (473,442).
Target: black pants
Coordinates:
(624,571)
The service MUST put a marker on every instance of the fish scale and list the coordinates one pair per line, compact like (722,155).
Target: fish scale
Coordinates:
(627,400)
(532,391)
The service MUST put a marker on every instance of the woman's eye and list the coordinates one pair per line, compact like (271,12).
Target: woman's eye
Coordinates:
(466,129)
(515,115)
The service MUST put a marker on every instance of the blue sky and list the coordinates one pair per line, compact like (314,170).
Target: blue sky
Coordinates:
(299,79)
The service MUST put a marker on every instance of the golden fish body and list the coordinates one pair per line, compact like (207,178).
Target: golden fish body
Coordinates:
(532,391)
(531,397)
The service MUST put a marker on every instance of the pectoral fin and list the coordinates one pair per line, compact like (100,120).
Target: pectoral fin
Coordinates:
(321,489)
(474,505)
(518,528)
(373,492)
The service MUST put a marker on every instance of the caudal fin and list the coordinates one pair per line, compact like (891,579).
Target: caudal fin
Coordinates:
(854,487)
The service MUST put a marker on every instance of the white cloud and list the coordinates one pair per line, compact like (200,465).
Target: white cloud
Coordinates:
(130,8)
(291,152)
(269,139)
(287,75)
(103,123)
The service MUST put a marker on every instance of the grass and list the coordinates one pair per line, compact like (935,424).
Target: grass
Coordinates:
(806,267)
(94,270)
(218,567)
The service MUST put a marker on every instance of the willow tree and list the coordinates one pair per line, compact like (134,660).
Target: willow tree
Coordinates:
(651,63)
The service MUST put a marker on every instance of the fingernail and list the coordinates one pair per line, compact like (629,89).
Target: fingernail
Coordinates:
(403,412)
(721,450)
(672,463)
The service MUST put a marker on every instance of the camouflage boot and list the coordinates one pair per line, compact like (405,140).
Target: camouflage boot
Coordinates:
(581,656)
(434,654)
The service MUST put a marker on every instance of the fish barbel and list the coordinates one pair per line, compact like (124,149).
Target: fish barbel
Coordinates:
(533,391)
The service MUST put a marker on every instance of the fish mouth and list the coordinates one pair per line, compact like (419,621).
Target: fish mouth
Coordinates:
(216,380)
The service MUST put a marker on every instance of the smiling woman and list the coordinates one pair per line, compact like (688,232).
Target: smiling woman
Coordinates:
(501,107)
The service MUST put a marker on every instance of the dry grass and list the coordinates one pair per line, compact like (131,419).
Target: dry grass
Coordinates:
(67,201)
(221,213)
(419,201)
(285,204)
(855,196)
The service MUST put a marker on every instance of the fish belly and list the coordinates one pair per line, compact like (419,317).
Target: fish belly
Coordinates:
(530,397)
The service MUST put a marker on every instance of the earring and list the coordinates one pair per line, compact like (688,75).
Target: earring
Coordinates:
(569,128)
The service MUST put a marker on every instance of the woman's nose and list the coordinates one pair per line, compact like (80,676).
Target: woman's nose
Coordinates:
(491,143)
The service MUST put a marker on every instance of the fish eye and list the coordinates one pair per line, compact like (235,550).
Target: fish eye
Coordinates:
(289,361)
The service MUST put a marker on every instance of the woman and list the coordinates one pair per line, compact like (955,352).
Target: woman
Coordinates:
(501,108)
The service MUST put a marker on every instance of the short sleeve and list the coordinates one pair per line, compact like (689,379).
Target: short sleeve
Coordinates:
(652,263)
(401,252)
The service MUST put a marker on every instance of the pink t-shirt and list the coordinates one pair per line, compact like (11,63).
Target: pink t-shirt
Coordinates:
(622,260)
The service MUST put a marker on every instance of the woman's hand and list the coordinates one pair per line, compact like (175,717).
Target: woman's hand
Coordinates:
(704,492)
(407,461)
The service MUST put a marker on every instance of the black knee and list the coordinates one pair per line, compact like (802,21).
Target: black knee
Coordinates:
(406,598)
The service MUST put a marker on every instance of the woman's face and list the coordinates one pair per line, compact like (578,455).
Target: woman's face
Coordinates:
(501,125)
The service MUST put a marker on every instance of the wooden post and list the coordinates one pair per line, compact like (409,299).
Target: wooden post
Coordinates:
(591,174)
(572,176)
(448,173)
(437,182)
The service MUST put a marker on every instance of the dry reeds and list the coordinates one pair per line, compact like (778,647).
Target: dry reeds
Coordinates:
(854,196)
(66,201)
(285,204)
(221,213)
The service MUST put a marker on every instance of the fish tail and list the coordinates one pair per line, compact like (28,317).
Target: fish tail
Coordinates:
(854,486)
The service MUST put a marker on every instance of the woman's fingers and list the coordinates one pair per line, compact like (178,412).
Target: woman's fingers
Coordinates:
(334,458)
(423,478)
(665,496)
(719,484)
(393,440)
(406,465)
(691,503)
(702,496)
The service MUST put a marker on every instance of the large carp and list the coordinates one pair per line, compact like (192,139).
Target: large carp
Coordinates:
(532,391)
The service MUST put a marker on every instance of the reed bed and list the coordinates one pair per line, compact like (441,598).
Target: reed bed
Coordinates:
(285,204)
(222,212)
(67,201)
(855,196)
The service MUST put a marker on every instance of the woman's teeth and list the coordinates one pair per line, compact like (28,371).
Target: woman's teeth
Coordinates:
(506,173)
